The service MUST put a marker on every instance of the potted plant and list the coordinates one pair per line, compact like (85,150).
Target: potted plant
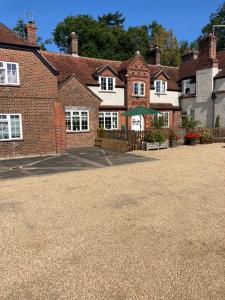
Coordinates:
(191,138)
(154,140)
(206,136)
(173,138)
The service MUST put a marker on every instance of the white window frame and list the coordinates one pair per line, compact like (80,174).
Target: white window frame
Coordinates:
(161,114)
(161,92)
(110,112)
(107,84)
(8,119)
(71,111)
(139,94)
(5,63)
(185,84)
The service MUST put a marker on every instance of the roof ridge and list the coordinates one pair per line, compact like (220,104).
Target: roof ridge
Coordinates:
(163,66)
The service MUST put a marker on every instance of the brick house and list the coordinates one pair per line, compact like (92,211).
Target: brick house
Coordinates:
(122,85)
(202,80)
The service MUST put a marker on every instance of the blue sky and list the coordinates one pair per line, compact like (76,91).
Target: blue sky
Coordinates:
(186,18)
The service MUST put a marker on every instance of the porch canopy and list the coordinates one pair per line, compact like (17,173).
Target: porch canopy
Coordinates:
(140,111)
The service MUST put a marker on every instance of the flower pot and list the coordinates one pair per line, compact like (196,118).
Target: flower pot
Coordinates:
(190,142)
(173,143)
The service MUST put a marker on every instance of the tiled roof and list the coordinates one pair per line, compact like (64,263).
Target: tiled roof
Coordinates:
(85,68)
(164,106)
(8,36)
(189,67)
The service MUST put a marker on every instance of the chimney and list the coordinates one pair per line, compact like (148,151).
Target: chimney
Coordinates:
(31,33)
(155,56)
(191,54)
(73,46)
(207,52)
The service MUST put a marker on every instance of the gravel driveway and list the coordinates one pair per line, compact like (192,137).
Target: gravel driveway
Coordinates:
(152,230)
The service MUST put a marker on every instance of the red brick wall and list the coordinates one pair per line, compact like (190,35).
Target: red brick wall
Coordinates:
(75,94)
(34,99)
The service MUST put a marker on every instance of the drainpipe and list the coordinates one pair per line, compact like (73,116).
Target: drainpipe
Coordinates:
(214,100)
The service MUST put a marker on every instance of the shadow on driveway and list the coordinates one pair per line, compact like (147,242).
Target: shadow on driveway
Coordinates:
(73,160)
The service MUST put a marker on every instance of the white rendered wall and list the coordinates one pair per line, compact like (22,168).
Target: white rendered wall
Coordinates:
(110,98)
(169,97)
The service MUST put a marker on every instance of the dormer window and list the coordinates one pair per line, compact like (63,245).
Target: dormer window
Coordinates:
(186,87)
(9,73)
(160,86)
(138,89)
(107,84)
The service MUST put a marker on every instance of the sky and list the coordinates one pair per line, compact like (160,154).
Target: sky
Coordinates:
(186,18)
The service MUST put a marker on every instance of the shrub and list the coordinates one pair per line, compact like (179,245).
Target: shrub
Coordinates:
(217,123)
(173,136)
(154,137)
(192,136)
(206,136)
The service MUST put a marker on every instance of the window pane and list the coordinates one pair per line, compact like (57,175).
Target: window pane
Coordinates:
(163,87)
(2,76)
(115,121)
(101,120)
(103,83)
(15,126)
(84,120)
(68,120)
(4,129)
(12,73)
(135,88)
(142,89)
(110,83)
(76,121)
(158,86)
(166,119)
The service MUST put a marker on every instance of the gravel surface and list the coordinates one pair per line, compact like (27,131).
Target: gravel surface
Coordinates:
(151,230)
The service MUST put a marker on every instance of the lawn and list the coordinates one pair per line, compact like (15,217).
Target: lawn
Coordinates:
(148,230)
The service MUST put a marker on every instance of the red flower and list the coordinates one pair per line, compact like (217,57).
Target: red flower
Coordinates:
(192,136)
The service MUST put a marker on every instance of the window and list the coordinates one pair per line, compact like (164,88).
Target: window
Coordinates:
(108,120)
(184,117)
(186,87)
(165,115)
(10,127)
(77,120)
(138,89)
(107,83)
(9,73)
(160,86)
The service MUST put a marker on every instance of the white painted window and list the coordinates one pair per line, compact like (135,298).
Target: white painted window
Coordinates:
(139,89)
(107,83)
(10,127)
(9,73)
(186,86)
(165,115)
(77,120)
(108,120)
(160,86)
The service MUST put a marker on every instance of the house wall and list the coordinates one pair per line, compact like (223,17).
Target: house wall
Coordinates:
(169,97)
(219,85)
(204,102)
(34,99)
(110,98)
(75,95)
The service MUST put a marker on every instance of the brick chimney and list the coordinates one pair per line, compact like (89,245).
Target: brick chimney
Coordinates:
(190,55)
(155,56)
(73,46)
(31,32)
(207,52)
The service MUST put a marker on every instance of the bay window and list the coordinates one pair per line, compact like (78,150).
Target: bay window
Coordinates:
(10,127)
(107,83)
(77,120)
(108,120)
(9,73)
(160,86)
(138,89)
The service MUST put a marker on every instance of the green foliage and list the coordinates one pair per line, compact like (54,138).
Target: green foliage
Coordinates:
(173,136)
(159,122)
(190,123)
(155,136)
(217,18)
(206,136)
(112,19)
(217,123)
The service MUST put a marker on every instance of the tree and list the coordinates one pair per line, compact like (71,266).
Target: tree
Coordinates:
(112,19)
(217,18)
(20,30)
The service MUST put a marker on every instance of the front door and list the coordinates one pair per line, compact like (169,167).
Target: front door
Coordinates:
(137,123)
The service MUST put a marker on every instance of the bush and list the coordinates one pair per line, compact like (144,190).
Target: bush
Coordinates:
(156,136)
(206,136)
(190,123)
(217,123)
(173,136)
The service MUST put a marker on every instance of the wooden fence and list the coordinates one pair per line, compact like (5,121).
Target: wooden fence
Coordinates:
(135,138)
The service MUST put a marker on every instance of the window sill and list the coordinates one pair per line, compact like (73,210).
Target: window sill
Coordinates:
(111,92)
(9,84)
(160,93)
(138,96)
(12,140)
(83,131)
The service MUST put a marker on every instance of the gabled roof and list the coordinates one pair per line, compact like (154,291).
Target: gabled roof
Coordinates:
(86,68)
(100,70)
(161,72)
(9,37)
